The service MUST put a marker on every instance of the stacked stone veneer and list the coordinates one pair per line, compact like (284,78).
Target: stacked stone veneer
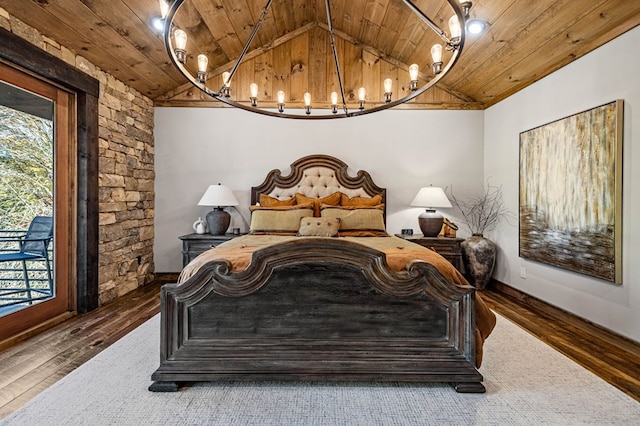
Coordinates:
(126,171)
(126,196)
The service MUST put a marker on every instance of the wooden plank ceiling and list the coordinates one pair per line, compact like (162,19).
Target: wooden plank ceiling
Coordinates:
(375,39)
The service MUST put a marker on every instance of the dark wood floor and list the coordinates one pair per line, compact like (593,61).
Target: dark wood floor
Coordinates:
(611,357)
(33,365)
(36,363)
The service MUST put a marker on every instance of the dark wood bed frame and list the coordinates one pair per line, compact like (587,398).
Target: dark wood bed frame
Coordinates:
(317,310)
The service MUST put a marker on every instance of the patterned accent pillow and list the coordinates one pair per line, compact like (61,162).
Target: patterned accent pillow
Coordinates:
(332,200)
(319,227)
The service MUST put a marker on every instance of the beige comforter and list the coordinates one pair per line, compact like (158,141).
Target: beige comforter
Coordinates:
(399,254)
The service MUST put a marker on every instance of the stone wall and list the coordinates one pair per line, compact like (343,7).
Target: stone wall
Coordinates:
(126,171)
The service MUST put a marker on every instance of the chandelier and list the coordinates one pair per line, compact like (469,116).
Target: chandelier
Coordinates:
(333,94)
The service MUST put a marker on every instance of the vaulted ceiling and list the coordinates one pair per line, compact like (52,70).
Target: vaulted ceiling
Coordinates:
(525,41)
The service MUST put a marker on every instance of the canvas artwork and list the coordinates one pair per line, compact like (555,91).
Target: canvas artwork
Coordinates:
(571,193)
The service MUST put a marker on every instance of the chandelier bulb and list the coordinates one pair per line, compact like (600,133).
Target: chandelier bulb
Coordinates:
(454,28)
(334,102)
(388,86)
(466,8)
(436,53)
(164,8)
(226,84)
(414,69)
(307,103)
(362,94)
(180,38)
(253,94)
(280,96)
(413,77)
(180,51)
(253,89)
(203,61)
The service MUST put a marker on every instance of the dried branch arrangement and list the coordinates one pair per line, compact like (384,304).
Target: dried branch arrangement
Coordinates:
(484,211)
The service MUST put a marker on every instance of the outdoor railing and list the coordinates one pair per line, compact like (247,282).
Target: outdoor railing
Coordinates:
(13,288)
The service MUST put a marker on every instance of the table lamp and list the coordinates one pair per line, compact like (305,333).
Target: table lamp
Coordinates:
(218,196)
(430,221)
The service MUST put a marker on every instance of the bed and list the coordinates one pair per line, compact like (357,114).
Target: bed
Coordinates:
(362,306)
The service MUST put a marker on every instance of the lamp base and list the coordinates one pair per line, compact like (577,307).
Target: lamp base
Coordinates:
(430,223)
(218,221)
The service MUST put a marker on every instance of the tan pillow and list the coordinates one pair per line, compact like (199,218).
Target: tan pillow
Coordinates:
(327,206)
(345,200)
(283,220)
(332,200)
(362,222)
(268,201)
(294,207)
(319,227)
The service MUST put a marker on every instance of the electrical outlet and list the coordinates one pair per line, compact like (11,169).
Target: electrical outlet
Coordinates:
(523,272)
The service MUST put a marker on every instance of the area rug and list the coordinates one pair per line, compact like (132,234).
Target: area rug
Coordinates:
(528,383)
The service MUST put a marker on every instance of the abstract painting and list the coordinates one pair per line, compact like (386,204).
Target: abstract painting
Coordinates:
(571,193)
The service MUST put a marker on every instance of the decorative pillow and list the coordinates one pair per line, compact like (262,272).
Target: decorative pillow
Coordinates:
(294,207)
(358,222)
(282,220)
(327,206)
(332,200)
(345,200)
(268,201)
(319,227)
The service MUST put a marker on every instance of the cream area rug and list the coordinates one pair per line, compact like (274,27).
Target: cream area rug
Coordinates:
(527,382)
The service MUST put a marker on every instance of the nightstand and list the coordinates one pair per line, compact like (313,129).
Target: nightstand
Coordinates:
(449,248)
(194,244)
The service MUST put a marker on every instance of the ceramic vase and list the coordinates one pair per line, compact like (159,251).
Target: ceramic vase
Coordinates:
(199,226)
(479,255)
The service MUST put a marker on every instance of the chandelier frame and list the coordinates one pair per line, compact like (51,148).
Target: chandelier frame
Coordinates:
(453,44)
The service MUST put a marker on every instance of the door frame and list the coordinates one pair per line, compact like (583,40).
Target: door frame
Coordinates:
(18,53)
(64,202)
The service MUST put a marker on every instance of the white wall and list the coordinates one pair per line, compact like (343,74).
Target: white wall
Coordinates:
(403,151)
(609,73)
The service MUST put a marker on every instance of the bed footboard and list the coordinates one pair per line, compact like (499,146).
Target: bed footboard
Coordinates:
(317,310)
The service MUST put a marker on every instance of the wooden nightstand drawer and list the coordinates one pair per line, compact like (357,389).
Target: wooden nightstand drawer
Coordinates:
(195,244)
(449,248)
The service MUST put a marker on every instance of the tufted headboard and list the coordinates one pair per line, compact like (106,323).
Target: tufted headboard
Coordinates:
(317,176)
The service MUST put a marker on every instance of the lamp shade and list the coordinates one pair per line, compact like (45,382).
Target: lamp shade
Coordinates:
(218,196)
(431,197)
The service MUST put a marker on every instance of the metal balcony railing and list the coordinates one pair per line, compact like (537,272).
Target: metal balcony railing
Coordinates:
(13,289)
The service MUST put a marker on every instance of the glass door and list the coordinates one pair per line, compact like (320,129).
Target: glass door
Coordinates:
(36,163)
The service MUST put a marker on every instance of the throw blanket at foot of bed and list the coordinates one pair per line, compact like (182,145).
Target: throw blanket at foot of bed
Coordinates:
(318,309)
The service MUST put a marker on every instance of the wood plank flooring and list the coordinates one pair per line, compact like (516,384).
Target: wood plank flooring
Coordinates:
(36,363)
(33,365)
(611,357)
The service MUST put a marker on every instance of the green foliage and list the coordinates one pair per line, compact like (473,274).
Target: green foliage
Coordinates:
(26,168)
